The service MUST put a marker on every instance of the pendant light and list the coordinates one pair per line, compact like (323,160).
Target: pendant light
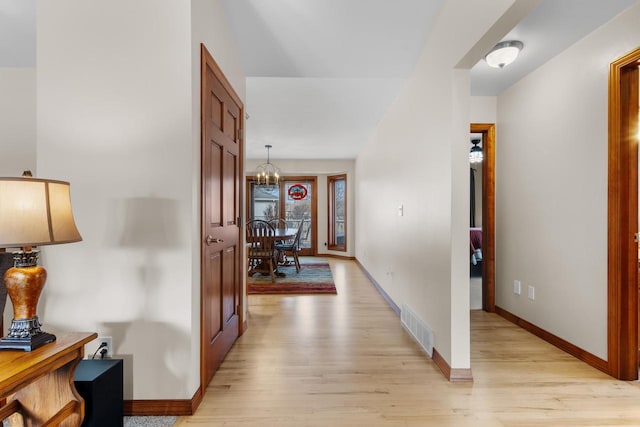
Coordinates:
(267,173)
(475,155)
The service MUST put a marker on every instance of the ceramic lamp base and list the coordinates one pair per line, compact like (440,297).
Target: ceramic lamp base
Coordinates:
(24,285)
(28,343)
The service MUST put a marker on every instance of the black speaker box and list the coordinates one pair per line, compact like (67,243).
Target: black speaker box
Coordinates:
(99,382)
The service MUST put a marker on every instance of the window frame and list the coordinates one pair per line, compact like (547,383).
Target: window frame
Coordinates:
(332,244)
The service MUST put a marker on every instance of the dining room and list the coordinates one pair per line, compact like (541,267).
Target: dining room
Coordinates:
(310,211)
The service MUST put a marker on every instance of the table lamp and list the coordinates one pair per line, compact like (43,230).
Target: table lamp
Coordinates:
(33,212)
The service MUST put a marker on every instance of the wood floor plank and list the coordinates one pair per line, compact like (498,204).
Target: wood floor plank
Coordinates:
(344,360)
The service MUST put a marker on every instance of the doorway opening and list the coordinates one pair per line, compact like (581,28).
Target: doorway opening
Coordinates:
(487,133)
(476,159)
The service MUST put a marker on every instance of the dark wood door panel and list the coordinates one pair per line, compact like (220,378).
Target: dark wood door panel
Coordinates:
(221,285)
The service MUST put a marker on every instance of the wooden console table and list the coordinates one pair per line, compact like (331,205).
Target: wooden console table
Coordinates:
(38,385)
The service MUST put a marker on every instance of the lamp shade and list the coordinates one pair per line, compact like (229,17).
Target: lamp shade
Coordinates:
(35,212)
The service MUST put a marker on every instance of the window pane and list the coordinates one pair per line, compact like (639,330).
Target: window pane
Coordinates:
(265,202)
(297,207)
(337,212)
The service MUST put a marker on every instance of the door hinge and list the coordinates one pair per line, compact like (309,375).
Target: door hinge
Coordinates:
(239,221)
(636,237)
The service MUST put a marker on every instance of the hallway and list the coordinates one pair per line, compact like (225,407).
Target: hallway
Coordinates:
(345,360)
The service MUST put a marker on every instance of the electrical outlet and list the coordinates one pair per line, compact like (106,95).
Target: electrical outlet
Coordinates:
(516,287)
(531,293)
(109,347)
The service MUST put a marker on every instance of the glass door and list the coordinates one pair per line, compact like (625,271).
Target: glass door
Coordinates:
(293,199)
(298,203)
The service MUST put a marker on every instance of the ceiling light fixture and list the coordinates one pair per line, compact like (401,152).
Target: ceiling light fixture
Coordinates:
(475,155)
(267,173)
(504,53)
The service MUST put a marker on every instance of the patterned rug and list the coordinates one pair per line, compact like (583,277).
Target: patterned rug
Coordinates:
(314,278)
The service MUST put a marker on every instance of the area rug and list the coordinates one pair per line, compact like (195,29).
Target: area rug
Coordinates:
(314,278)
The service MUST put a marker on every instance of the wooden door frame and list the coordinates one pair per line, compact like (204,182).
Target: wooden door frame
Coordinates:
(314,207)
(314,203)
(207,59)
(488,131)
(622,222)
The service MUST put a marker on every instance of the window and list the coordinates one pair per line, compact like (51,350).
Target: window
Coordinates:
(293,199)
(337,212)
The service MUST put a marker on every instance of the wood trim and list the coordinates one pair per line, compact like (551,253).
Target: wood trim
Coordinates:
(345,257)
(163,407)
(622,276)
(488,131)
(563,345)
(381,291)
(453,375)
(441,364)
(461,375)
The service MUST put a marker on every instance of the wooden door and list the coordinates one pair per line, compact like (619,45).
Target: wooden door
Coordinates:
(221,248)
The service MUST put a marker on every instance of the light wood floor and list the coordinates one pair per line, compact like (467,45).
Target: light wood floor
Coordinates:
(345,361)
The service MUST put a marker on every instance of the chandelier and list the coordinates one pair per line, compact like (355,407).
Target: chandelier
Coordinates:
(267,173)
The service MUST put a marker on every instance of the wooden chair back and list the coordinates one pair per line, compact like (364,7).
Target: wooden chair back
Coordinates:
(278,223)
(261,250)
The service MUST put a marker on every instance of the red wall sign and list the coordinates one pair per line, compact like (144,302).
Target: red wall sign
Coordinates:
(297,192)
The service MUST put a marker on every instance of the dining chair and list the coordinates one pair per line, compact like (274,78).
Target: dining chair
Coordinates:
(261,252)
(293,246)
(278,223)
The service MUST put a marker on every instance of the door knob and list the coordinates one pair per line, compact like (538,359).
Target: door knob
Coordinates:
(210,239)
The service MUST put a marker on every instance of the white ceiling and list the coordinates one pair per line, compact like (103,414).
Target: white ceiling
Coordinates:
(321,73)
(548,30)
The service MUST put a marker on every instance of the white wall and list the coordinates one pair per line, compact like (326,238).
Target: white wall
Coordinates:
(321,169)
(17,130)
(483,109)
(17,120)
(418,157)
(551,221)
(115,117)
